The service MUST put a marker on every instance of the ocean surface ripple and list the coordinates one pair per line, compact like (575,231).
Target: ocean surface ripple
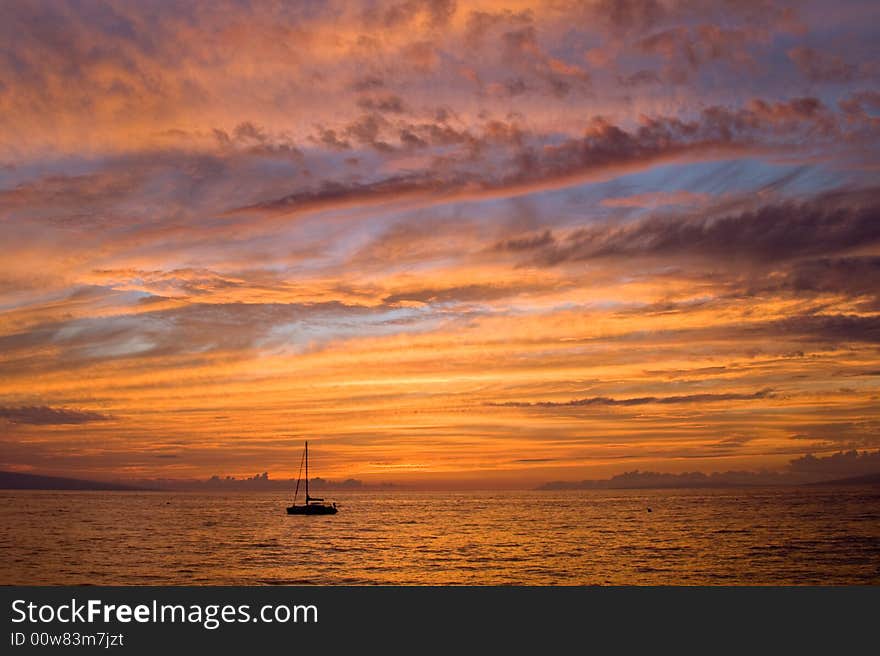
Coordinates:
(596,537)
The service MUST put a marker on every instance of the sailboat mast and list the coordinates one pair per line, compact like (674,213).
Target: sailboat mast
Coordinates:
(307,471)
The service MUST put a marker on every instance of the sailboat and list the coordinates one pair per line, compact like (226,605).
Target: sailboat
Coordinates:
(313,505)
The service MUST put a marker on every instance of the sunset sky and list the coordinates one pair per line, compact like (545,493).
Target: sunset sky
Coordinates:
(445,241)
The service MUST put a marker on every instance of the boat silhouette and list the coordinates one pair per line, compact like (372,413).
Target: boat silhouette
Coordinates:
(313,505)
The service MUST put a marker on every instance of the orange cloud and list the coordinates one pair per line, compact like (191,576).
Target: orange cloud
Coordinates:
(460,243)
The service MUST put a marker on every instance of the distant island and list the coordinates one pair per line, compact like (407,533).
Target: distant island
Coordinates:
(259,482)
(263,482)
(868,479)
(635,480)
(20,481)
(648,480)
(842,468)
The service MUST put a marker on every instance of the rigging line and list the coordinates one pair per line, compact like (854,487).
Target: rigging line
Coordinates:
(298,477)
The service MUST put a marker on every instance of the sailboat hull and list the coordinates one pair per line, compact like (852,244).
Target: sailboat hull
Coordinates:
(311,509)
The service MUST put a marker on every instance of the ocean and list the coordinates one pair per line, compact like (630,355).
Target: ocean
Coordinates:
(792,535)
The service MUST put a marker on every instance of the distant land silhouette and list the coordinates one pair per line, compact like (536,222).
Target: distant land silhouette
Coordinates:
(654,480)
(20,481)
(843,468)
(868,479)
(257,482)
(639,479)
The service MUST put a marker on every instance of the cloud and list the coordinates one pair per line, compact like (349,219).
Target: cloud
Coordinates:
(517,162)
(196,330)
(820,66)
(642,400)
(844,463)
(479,23)
(628,15)
(527,243)
(366,130)
(368,220)
(832,223)
(832,329)
(45,416)
(521,51)
(686,49)
(852,276)
(435,13)
(657,199)
(390,103)
(255,140)
(185,283)
(473,293)
(639,78)
(857,107)
(330,139)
